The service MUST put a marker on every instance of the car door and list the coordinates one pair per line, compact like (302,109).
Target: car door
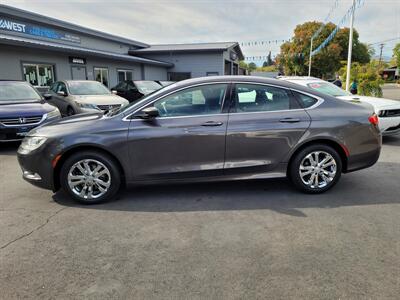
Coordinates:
(265,122)
(186,140)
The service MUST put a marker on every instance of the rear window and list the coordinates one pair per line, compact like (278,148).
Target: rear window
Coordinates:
(305,100)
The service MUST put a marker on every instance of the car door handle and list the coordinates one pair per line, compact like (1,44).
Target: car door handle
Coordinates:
(212,123)
(289,120)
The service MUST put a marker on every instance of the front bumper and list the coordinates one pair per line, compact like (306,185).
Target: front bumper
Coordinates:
(37,168)
(389,125)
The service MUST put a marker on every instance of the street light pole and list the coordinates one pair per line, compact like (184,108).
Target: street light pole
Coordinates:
(309,61)
(350,46)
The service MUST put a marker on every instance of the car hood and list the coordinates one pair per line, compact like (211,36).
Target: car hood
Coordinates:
(25,109)
(77,123)
(377,103)
(101,99)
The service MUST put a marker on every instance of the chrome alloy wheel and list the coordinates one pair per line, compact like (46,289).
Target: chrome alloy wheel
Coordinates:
(89,179)
(317,169)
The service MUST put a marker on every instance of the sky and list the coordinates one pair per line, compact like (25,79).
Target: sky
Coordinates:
(189,21)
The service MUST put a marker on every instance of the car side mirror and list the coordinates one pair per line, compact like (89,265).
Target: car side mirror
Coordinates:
(62,93)
(47,96)
(150,113)
(114,92)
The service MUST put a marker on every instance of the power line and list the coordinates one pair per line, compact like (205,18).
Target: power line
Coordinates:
(385,41)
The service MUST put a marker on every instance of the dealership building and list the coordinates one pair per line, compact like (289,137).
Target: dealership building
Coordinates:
(41,50)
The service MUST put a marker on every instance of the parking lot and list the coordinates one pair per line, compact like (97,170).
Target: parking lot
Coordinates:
(253,239)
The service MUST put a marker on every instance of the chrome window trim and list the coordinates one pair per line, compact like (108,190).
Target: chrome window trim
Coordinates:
(319,100)
(44,117)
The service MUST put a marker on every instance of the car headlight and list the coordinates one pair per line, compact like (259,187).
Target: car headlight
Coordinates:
(53,114)
(31,143)
(382,113)
(87,105)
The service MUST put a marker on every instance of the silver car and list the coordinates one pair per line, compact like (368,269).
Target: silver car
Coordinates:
(83,96)
(205,129)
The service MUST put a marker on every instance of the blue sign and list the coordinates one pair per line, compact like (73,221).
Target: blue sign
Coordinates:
(34,30)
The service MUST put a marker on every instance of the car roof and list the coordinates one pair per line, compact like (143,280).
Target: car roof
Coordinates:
(302,80)
(68,81)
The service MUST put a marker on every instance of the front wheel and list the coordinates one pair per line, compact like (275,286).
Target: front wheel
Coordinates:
(90,177)
(315,169)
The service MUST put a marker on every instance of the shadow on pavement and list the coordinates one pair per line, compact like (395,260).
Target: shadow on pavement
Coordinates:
(391,140)
(9,148)
(368,187)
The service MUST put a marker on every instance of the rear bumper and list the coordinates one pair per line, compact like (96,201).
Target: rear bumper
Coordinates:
(362,161)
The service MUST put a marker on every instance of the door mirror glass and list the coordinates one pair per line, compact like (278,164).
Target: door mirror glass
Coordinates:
(114,92)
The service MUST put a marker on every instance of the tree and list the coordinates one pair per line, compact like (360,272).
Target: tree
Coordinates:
(252,66)
(328,60)
(367,76)
(396,55)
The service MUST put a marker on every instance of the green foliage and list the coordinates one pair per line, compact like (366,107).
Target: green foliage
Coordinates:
(328,61)
(396,55)
(272,68)
(252,66)
(367,76)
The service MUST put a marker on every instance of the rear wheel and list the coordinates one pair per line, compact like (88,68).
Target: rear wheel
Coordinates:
(90,177)
(315,169)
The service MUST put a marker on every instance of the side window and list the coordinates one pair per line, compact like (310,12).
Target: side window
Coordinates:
(254,97)
(305,100)
(121,86)
(53,87)
(131,86)
(61,87)
(201,100)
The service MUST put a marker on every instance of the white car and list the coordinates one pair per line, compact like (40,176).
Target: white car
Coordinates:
(388,111)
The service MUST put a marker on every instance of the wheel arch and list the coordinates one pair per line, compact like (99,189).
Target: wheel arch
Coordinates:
(65,155)
(340,149)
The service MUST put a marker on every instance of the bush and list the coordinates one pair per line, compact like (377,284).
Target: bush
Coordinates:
(367,76)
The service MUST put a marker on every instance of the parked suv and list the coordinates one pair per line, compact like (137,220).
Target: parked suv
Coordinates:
(22,108)
(83,96)
(134,90)
(206,129)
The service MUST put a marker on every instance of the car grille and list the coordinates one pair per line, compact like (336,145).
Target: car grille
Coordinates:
(390,113)
(109,107)
(21,121)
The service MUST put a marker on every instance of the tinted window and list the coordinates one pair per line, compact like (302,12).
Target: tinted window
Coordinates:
(305,100)
(61,87)
(121,86)
(254,97)
(15,91)
(202,100)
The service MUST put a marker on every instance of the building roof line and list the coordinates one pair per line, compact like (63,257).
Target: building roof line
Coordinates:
(31,16)
(16,40)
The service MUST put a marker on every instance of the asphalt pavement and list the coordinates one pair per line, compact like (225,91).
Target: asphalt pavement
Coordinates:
(243,240)
(391,91)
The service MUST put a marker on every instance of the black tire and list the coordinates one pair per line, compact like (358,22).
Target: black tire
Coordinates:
(294,169)
(91,157)
(70,111)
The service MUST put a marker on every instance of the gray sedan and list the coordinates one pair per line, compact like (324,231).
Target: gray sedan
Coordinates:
(205,129)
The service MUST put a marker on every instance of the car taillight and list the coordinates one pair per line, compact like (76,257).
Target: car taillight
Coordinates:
(374,120)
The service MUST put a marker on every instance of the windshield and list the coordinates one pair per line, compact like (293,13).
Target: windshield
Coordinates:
(147,87)
(327,88)
(87,88)
(17,91)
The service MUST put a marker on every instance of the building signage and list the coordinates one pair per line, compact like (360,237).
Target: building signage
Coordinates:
(29,29)
(233,56)
(77,60)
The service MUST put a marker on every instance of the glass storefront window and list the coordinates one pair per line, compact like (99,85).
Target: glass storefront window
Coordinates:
(125,75)
(38,74)
(101,75)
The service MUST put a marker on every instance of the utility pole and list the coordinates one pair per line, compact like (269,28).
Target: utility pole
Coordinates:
(350,46)
(309,61)
(380,54)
